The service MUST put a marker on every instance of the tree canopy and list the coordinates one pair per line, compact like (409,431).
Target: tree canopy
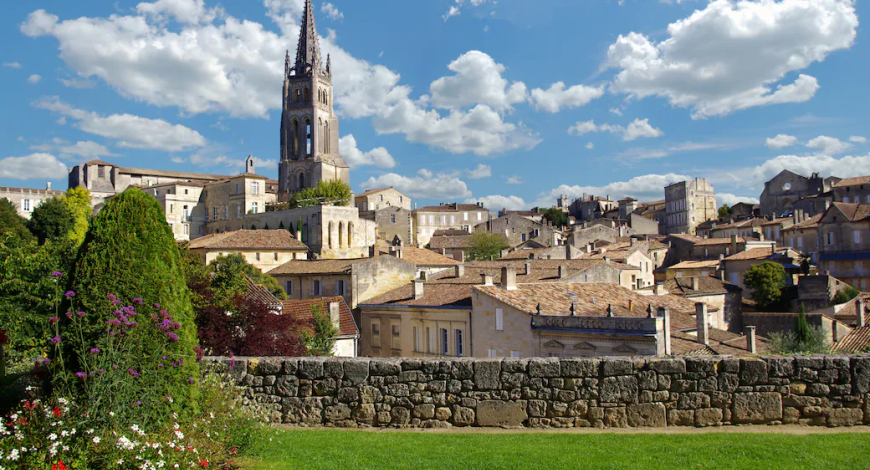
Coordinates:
(334,192)
(78,200)
(724,211)
(11,223)
(556,217)
(766,281)
(52,220)
(486,246)
(846,294)
(229,277)
(321,339)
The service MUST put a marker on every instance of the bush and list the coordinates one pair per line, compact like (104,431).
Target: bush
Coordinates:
(229,277)
(78,200)
(321,339)
(556,217)
(766,281)
(129,252)
(11,223)
(248,328)
(486,246)
(52,220)
(815,342)
(333,193)
(846,294)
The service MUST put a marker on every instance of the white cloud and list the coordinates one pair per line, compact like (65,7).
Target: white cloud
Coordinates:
(734,55)
(514,180)
(644,188)
(590,146)
(731,199)
(128,130)
(425,185)
(478,80)
(12,65)
(61,121)
(829,145)
(636,129)
(453,11)
(497,203)
(88,150)
(858,139)
(781,141)
(356,158)
(755,177)
(331,11)
(482,171)
(183,11)
(34,79)
(616,111)
(74,83)
(177,160)
(557,96)
(34,166)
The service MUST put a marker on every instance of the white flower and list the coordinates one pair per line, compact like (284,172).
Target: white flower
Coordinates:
(90,431)
(64,433)
(112,413)
(121,462)
(52,437)
(96,439)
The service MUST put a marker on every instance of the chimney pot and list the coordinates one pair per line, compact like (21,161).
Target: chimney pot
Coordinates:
(486,279)
(696,284)
(562,273)
(528,268)
(702,323)
(509,278)
(460,270)
(418,288)
(48,186)
(335,313)
(859,310)
(750,339)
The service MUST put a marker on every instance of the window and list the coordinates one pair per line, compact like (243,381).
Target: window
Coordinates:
(443,220)
(452,220)
(186,214)
(238,188)
(254,207)
(856,236)
(418,339)
(401,199)
(445,345)
(25,205)
(185,191)
(830,238)
(289,288)
(480,216)
(392,218)
(429,340)
(315,288)
(465,216)
(431,219)
(238,211)
(255,187)
(225,213)
(214,213)
(376,335)
(499,319)
(490,352)
(457,341)
(257,256)
(339,287)
(276,256)
(186,229)
(380,198)
(524,237)
(171,208)
(515,354)
(800,242)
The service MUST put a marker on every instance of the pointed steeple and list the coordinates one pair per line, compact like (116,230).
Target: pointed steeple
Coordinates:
(308,50)
(287,64)
(328,65)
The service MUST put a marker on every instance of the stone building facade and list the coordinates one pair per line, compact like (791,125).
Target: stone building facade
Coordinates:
(844,244)
(785,189)
(590,207)
(377,199)
(447,216)
(853,190)
(518,230)
(263,249)
(687,204)
(26,200)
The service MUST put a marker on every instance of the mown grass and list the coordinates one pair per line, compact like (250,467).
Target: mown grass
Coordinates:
(288,449)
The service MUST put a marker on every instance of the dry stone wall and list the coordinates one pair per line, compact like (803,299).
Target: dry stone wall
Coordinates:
(601,392)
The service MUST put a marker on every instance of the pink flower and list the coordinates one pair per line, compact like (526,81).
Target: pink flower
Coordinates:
(69,294)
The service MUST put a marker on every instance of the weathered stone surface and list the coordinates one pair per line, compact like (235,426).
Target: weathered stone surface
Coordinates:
(486,374)
(757,407)
(681,417)
(463,369)
(356,371)
(495,413)
(400,415)
(693,400)
(334,368)
(861,375)
(388,367)
(649,415)
(753,371)
(337,412)
(845,417)
(618,390)
(463,416)
(708,417)
(617,366)
(545,367)
(580,367)
(616,417)
(668,365)
(424,411)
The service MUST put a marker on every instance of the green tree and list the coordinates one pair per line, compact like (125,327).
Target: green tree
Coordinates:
(766,281)
(129,251)
(846,294)
(78,200)
(805,339)
(556,217)
(724,211)
(334,193)
(486,246)
(229,277)
(321,339)
(11,222)
(52,220)
(802,328)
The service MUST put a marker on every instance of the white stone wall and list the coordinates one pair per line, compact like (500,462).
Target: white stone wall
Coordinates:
(26,200)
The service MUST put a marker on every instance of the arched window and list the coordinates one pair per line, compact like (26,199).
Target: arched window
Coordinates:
(295,137)
(308,138)
(301,180)
(306,95)
(326,98)
(320,134)
(350,234)
(340,234)
(298,95)
(326,137)
(329,234)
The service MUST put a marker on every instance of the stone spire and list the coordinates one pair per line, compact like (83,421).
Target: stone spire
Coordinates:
(308,50)
(328,65)
(287,64)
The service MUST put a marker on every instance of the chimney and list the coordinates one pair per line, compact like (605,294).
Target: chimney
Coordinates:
(48,186)
(460,270)
(733,244)
(659,289)
(528,268)
(859,310)
(696,284)
(607,259)
(631,305)
(459,255)
(633,241)
(486,279)
(663,313)
(562,273)
(418,288)
(335,314)
(509,278)
(701,322)
(750,339)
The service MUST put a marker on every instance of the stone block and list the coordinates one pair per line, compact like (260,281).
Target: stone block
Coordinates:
(861,375)
(291,366)
(515,365)
(383,367)
(398,390)
(790,415)
(337,412)
(566,396)
(681,417)
(707,365)
(810,362)
(400,415)
(424,411)
(348,394)
(616,417)
(614,366)
(781,366)
(462,369)
(578,408)
(334,368)
(364,413)
(668,365)
(845,417)
(753,372)
(408,364)
(356,370)
(463,416)
(708,417)
(693,401)
(486,374)
(618,390)
(287,386)
(757,407)
(818,390)
(545,367)
(311,368)
(496,413)
(647,380)
(797,388)
(443,414)
(270,366)
(651,415)
(580,367)
(537,408)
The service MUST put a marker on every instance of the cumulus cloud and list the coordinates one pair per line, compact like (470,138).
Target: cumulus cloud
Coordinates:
(635,130)
(781,141)
(425,184)
(734,55)
(557,96)
(482,171)
(74,83)
(34,79)
(858,139)
(128,130)
(87,149)
(616,111)
(496,202)
(331,11)
(514,180)
(731,199)
(34,166)
(455,10)
(478,80)
(643,188)
(12,65)
(590,146)
(829,145)
(755,177)
(356,158)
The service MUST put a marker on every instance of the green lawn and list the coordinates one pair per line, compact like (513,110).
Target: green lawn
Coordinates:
(415,450)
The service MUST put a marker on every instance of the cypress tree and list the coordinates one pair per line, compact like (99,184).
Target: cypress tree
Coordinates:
(266,227)
(129,252)
(802,330)
(252,227)
(281,225)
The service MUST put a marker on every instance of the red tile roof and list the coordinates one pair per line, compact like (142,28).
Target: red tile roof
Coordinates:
(249,239)
(316,266)
(452,208)
(856,341)
(423,257)
(852,181)
(300,309)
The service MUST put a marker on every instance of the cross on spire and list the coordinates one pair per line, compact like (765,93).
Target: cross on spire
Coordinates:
(308,50)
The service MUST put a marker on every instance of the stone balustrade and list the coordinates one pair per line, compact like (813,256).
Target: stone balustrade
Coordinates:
(613,392)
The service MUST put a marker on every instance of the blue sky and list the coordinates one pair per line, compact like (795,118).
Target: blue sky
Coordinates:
(509,102)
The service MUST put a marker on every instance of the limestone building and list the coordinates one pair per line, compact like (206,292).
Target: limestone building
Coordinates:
(844,243)
(309,126)
(688,204)
(26,200)
(788,187)
(377,199)
(391,212)
(263,249)
(448,216)
(853,190)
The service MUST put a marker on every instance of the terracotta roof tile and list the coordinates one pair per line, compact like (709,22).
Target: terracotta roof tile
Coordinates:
(695,265)
(753,254)
(316,266)
(167,173)
(249,239)
(852,181)
(423,257)
(706,285)
(460,241)
(372,191)
(856,341)
(259,293)
(452,208)
(300,310)
(854,212)
(812,222)
(450,232)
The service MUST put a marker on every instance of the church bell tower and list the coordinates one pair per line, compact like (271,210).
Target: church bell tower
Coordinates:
(309,127)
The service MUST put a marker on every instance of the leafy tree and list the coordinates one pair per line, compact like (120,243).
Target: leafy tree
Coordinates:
(846,294)
(805,339)
(805,266)
(78,200)
(250,329)
(320,341)
(229,277)
(724,211)
(556,217)
(252,227)
(802,329)
(11,222)
(197,276)
(130,252)
(486,246)
(766,281)
(52,220)
(334,192)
